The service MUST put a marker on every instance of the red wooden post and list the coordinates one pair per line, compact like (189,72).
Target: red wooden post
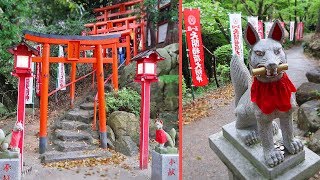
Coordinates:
(128,50)
(73,85)
(44,99)
(146,73)
(101,99)
(144,123)
(115,67)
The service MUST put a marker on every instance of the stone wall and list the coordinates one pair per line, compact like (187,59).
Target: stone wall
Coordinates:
(308,98)
(164,96)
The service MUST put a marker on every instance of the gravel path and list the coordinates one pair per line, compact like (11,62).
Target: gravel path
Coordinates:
(199,161)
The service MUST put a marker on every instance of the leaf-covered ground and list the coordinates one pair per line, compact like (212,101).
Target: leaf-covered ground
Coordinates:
(203,106)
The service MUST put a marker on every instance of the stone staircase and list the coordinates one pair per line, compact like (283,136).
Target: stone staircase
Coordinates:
(73,137)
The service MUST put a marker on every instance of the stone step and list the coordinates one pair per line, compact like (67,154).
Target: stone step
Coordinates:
(87,106)
(77,114)
(54,156)
(66,146)
(72,125)
(73,135)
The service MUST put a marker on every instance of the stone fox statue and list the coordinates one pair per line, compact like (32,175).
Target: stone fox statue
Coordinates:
(265,98)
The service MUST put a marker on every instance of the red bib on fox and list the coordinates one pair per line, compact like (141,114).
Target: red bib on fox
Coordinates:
(274,95)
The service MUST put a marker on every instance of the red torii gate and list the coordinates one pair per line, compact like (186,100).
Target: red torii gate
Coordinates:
(74,45)
(106,22)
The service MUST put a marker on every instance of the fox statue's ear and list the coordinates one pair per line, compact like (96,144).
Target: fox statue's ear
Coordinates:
(276,32)
(250,35)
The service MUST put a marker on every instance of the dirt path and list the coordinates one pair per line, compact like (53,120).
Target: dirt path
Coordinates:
(199,161)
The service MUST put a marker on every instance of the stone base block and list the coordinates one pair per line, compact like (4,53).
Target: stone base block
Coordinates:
(10,169)
(164,166)
(255,153)
(242,168)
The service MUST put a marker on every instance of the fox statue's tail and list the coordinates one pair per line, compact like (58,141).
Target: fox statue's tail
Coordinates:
(240,77)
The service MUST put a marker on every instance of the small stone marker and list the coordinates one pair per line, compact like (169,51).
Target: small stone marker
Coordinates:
(10,169)
(165,166)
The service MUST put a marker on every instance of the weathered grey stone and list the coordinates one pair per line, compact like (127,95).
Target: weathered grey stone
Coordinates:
(173,48)
(174,60)
(174,71)
(10,169)
(72,125)
(307,91)
(242,168)
(315,45)
(126,146)
(314,144)
(87,106)
(54,156)
(127,74)
(72,135)
(164,166)
(72,145)
(314,75)
(171,92)
(164,66)
(110,133)
(124,124)
(255,153)
(80,115)
(308,118)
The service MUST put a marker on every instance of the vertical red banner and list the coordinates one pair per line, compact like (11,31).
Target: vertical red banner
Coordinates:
(194,42)
(260,29)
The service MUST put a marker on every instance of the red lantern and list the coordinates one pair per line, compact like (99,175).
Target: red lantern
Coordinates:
(22,59)
(146,68)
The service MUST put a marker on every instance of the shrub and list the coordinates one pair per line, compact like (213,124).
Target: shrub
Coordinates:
(124,100)
(223,57)
(224,54)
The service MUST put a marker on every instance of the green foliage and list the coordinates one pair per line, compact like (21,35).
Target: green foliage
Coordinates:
(223,55)
(223,72)
(169,78)
(3,110)
(124,100)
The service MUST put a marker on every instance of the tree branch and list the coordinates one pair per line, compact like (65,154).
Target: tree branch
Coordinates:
(247,7)
(280,16)
(222,29)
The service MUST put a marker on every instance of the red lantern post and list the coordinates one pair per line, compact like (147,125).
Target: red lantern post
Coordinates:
(22,69)
(146,73)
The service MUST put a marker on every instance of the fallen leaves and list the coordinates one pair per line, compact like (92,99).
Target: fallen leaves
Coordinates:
(116,159)
(202,107)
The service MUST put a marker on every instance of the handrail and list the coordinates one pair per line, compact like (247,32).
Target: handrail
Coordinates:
(94,122)
(82,77)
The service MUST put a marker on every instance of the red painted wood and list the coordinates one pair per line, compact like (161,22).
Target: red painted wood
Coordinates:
(21,111)
(144,124)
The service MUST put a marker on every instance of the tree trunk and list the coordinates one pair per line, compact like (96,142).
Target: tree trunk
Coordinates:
(152,32)
(173,30)
(172,33)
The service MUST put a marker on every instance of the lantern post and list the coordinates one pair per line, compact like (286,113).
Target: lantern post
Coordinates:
(146,73)
(22,69)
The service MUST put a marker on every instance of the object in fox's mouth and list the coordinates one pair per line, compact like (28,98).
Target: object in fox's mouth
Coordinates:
(262,71)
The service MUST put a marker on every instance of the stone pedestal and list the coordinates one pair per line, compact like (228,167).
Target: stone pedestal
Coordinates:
(10,169)
(164,166)
(246,162)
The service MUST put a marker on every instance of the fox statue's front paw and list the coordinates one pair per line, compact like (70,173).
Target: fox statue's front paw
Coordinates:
(251,138)
(273,158)
(294,146)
